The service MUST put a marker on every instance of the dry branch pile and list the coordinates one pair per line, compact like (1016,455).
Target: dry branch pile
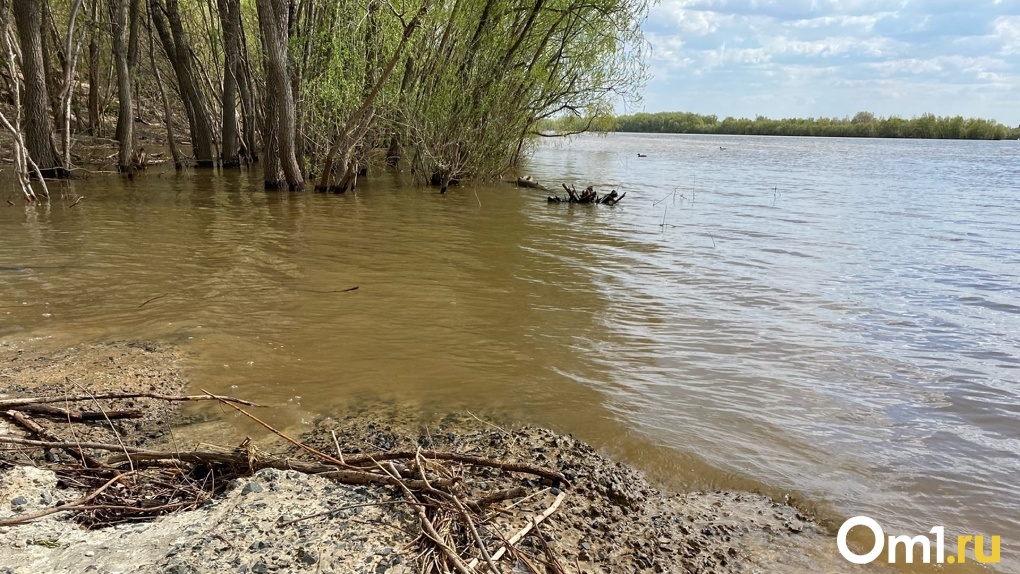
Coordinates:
(460,530)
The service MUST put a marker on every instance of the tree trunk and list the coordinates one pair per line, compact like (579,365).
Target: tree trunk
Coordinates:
(280,121)
(72,48)
(358,124)
(135,16)
(396,149)
(95,115)
(52,52)
(230,22)
(249,112)
(28,16)
(125,115)
(176,47)
(168,119)
(134,22)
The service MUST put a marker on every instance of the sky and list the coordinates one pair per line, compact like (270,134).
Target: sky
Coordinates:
(834,58)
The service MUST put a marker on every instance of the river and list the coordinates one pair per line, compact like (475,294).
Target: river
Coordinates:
(835,319)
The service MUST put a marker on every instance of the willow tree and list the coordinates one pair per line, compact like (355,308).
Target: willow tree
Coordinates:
(166,19)
(491,69)
(124,34)
(340,168)
(323,88)
(279,161)
(38,124)
(230,22)
(23,162)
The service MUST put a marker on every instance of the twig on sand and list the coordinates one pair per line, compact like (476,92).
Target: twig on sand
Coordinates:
(339,510)
(524,531)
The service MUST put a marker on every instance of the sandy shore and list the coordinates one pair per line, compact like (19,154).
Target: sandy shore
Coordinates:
(610,519)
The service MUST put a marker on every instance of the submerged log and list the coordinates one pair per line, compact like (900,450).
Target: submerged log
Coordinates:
(529,182)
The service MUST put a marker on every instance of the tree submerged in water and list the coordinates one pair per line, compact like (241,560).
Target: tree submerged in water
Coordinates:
(314,89)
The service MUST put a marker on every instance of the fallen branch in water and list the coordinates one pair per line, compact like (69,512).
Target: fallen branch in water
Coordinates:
(156,298)
(302,289)
(589,195)
(268,427)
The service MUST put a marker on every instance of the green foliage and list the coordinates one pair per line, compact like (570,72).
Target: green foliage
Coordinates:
(470,85)
(488,71)
(863,124)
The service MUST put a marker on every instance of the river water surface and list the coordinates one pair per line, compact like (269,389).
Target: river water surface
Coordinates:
(835,319)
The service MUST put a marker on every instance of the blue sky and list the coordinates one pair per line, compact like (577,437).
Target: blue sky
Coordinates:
(810,58)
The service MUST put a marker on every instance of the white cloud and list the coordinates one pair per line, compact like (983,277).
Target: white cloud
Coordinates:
(743,57)
(1007,31)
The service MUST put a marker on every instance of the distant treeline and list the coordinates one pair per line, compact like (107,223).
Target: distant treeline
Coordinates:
(864,124)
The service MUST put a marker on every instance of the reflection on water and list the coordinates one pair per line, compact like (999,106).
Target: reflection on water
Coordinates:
(837,318)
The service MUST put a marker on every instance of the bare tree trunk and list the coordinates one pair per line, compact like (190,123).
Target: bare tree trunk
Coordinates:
(396,148)
(21,157)
(168,117)
(250,113)
(230,22)
(280,122)
(67,89)
(176,47)
(271,168)
(28,16)
(51,51)
(95,115)
(125,116)
(134,23)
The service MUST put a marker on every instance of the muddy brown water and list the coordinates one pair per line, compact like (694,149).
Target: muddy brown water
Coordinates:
(835,319)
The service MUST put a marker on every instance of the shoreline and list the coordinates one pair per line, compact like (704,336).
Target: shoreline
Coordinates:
(609,519)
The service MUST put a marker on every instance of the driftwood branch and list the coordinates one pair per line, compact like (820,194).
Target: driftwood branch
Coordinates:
(268,427)
(429,529)
(498,496)
(78,417)
(15,403)
(524,531)
(463,458)
(70,448)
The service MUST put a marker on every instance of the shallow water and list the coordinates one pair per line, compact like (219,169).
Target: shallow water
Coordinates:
(834,318)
